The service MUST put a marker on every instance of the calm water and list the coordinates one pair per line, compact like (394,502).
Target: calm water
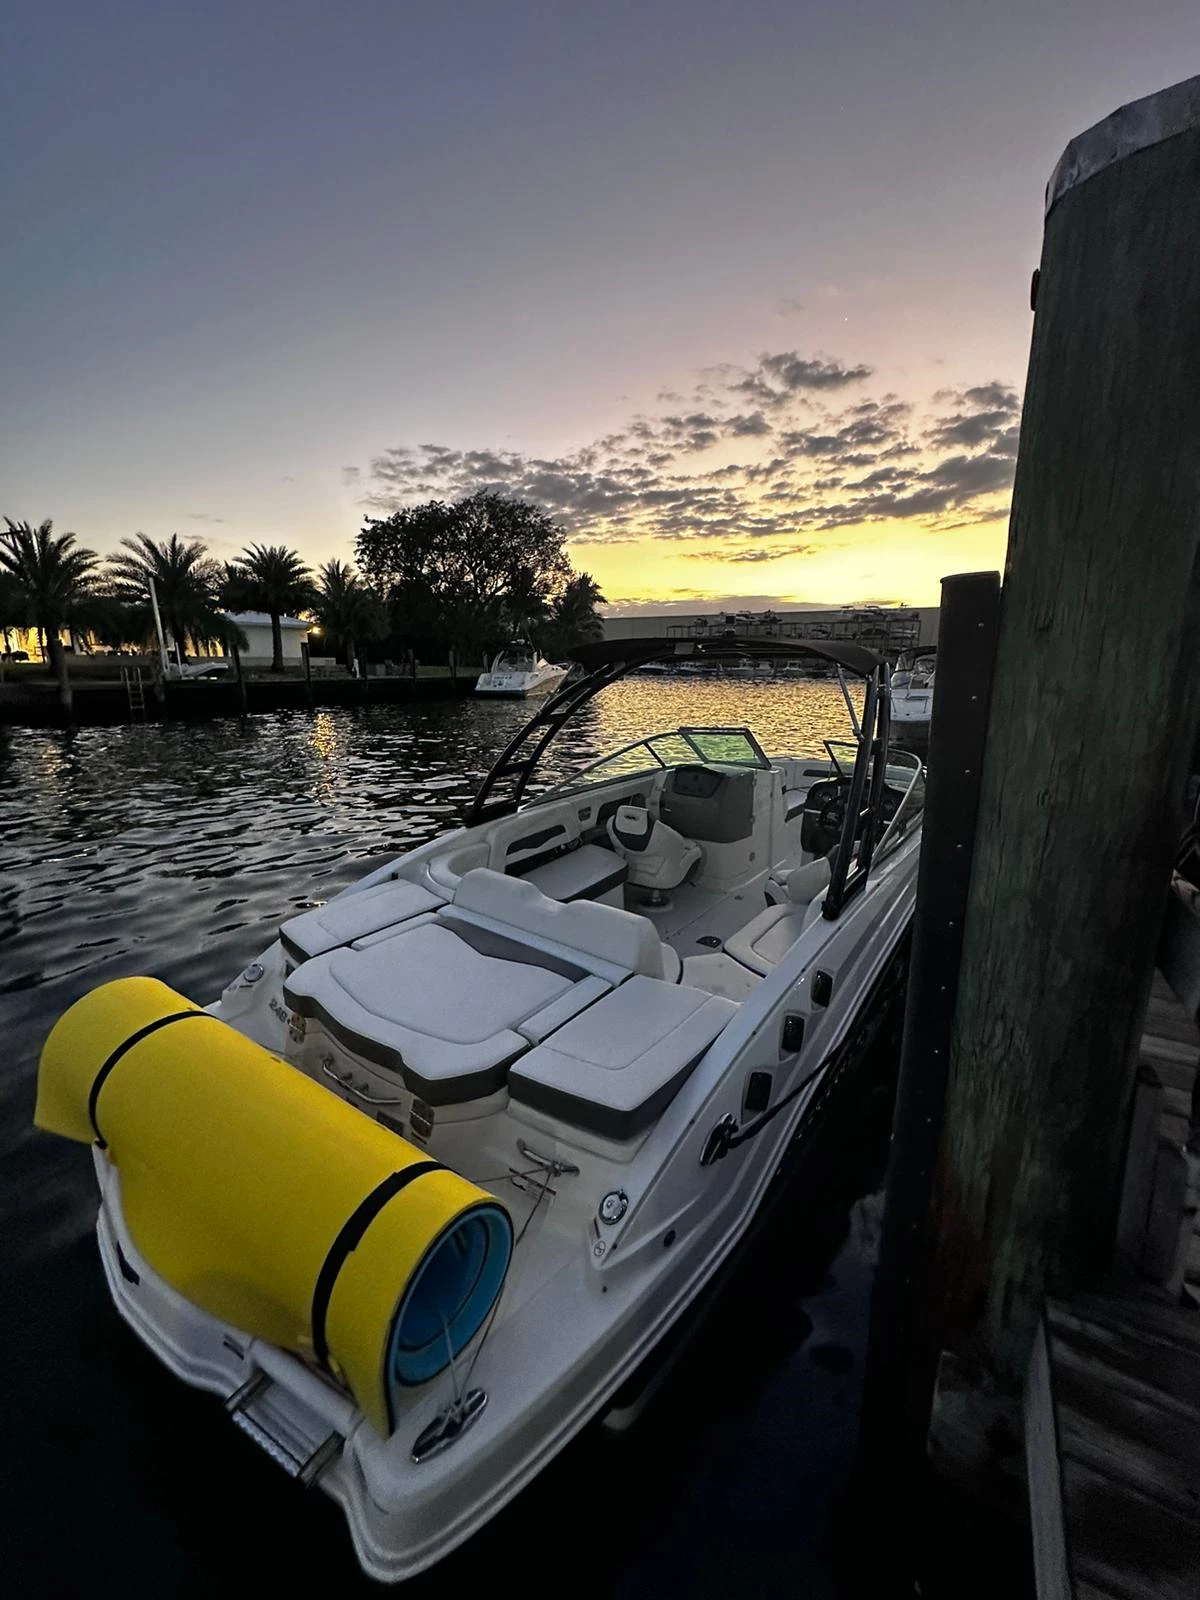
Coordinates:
(177,850)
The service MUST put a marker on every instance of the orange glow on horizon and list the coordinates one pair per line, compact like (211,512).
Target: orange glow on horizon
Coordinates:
(885,561)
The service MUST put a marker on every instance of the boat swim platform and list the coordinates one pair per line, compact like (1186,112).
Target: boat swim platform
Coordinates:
(1112,1408)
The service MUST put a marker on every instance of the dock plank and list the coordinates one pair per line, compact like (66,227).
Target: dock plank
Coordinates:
(1124,1380)
(1127,1542)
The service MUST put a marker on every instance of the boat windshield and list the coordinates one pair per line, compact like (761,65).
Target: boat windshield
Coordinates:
(681,747)
(515,658)
(914,668)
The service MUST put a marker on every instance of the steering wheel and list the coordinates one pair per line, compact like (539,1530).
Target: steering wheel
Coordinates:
(832,815)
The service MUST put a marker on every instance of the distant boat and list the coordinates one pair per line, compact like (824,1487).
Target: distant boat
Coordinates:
(912,689)
(195,669)
(518,672)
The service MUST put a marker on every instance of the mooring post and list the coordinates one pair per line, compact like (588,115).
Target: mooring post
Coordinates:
(308,688)
(1092,721)
(237,669)
(902,1354)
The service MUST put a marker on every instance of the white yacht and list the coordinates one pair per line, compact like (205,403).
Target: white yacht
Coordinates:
(435,1175)
(518,672)
(912,690)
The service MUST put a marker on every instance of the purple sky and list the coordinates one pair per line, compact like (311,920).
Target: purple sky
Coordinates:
(249,247)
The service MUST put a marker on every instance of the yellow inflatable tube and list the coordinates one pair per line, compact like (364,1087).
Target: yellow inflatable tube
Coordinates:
(267,1201)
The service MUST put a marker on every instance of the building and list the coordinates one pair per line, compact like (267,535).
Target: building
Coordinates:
(256,625)
(888,629)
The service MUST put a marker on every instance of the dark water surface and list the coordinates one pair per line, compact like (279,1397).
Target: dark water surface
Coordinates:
(177,850)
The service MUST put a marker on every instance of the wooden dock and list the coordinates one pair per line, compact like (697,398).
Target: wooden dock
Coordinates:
(1113,1402)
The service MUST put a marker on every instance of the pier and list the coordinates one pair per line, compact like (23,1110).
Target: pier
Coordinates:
(34,703)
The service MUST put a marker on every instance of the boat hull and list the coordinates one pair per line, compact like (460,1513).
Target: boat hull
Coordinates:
(518,685)
(546,1378)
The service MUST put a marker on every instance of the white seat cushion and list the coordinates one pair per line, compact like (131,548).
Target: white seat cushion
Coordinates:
(717,973)
(583,874)
(799,885)
(576,999)
(427,1005)
(617,938)
(803,884)
(352,916)
(614,1068)
(762,944)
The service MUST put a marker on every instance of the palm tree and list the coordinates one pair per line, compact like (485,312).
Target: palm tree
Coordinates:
(117,624)
(573,616)
(12,608)
(270,578)
(524,610)
(347,609)
(186,580)
(53,577)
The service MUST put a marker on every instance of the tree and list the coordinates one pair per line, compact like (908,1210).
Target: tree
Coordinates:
(53,578)
(574,618)
(12,608)
(454,565)
(347,609)
(117,624)
(186,582)
(270,578)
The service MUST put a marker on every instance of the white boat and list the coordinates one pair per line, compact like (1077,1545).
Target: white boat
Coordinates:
(518,672)
(912,690)
(599,1016)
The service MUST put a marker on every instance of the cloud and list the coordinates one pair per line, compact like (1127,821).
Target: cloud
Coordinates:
(778,379)
(789,306)
(983,415)
(803,460)
(756,553)
(686,602)
(202,516)
(750,425)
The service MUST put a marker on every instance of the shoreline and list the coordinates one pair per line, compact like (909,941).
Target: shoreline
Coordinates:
(106,704)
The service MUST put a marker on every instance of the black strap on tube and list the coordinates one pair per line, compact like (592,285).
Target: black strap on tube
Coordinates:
(122,1049)
(349,1235)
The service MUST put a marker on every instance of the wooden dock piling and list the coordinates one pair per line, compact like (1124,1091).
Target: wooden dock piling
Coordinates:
(902,1358)
(1094,709)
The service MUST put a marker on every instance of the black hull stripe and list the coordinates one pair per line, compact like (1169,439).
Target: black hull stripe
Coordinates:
(134,1038)
(349,1235)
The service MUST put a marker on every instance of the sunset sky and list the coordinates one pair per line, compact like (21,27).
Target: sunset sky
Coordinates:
(739,291)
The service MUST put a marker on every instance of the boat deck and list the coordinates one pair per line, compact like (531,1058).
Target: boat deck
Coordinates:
(693,916)
(1123,1373)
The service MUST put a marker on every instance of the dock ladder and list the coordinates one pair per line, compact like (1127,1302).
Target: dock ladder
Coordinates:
(135,692)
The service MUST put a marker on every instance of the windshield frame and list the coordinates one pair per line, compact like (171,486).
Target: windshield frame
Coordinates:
(577,780)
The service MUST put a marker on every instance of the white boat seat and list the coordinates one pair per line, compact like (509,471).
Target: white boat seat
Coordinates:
(583,874)
(606,940)
(717,973)
(657,856)
(799,886)
(617,1066)
(353,916)
(448,1001)
(448,1018)
(764,941)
